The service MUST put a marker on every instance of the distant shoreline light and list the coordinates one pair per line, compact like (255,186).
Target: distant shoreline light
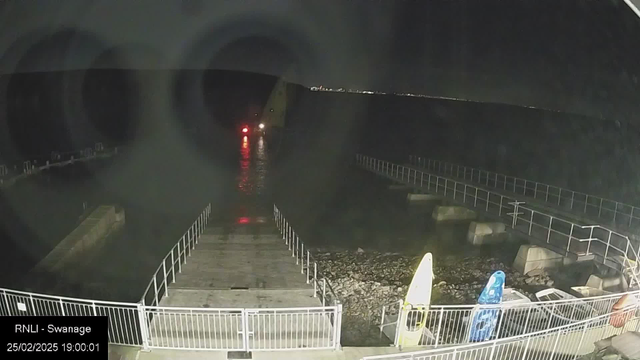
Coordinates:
(368,92)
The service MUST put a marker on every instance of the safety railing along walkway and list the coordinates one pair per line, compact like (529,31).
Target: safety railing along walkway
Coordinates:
(564,342)
(448,325)
(579,241)
(172,263)
(128,322)
(239,329)
(150,326)
(321,285)
(10,173)
(623,217)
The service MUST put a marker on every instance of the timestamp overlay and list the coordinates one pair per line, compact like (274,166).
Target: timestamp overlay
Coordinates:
(73,337)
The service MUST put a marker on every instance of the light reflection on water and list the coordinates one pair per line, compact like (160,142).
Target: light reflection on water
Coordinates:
(251,181)
(254,164)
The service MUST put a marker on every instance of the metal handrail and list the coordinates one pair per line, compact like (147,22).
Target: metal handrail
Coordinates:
(492,345)
(508,210)
(64,298)
(123,317)
(297,248)
(179,252)
(607,209)
(56,159)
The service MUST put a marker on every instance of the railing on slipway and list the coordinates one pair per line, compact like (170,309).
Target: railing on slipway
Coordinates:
(148,325)
(565,237)
(448,325)
(609,211)
(10,172)
(565,342)
(308,265)
(172,263)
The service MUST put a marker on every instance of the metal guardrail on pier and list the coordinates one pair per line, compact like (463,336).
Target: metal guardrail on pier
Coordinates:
(166,272)
(150,326)
(450,324)
(124,320)
(11,172)
(564,342)
(321,285)
(604,245)
(609,211)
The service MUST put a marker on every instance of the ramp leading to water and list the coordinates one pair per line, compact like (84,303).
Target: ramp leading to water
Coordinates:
(241,290)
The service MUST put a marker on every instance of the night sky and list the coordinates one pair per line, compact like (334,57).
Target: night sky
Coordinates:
(571,56)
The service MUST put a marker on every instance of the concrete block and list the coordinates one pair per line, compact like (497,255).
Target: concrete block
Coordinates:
(607,283)
(532,257)
(486,233)
(448,213)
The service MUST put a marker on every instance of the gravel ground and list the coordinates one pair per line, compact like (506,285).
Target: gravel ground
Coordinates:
(366,280)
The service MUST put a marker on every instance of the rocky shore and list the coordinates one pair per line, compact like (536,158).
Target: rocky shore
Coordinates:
(367,280)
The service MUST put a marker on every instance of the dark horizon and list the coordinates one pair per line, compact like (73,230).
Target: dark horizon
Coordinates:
(569,56)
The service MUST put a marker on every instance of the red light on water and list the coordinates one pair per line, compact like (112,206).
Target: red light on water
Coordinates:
(243,220)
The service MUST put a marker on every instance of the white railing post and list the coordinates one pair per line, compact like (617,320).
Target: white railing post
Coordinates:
(308,267)
(439,327)
(144,328)
(526,347)
(531,222)
(315,279)
(606,252)
(550,225)
(179,260)
(164,273)
(302,258)
(324,291)
(245,330)
(493,350)
(586,201)
(600,208)
(546,198)
(184,247)
(337,325)
(589,243)
(559,195)
(297,249)
(155,289)
(6,302)
(570,236)
(475,199)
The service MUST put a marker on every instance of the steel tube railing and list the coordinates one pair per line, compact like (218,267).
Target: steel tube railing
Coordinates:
(608,246)
(310,267)
(450,323)
(9,173)
(176,257)
(567,341)
(615,212)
